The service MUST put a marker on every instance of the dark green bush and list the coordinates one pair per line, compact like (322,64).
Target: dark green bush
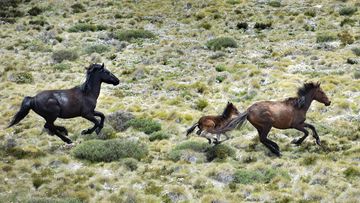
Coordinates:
(262,26)
(242,25)
(220,78)
(40,22)
(325,37)
(177,151)
(356,51)
(159,135)
(110,150)
(26,152)
(52,200)
(206,26)
(97,48)
(219,152)
(22,78)
(130,163)
(347,11)
(220,68)
(310,12)
(78,8)
(128,35)
(145,125)
(348,21)
(34,11)
(85,27)
(221,42)
(274,3)
(61,67)
(201,104)
(65,54)
(244,176)
(352,172)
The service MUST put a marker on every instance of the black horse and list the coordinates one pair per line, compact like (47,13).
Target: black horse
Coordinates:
(70,103)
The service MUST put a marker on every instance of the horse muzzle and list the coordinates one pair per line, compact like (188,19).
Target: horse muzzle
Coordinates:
(328,103)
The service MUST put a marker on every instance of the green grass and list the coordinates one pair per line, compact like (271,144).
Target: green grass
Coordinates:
(248,177)
(22,78)
(325,37)
(86,27)
(129,35)
(145,125)
(97,48)
(109,150)
(159,135)
(221,43)
(219,152)
(201,104)
(348,11)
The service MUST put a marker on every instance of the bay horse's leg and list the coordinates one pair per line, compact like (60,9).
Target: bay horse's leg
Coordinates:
(90,117)
(101,125)
(301,128)
(315,135)
(272,146)
(52,128)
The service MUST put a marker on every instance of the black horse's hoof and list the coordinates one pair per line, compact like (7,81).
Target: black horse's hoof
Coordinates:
(318,142)
(98,130)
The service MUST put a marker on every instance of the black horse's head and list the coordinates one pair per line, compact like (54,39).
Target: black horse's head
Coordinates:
(102,73)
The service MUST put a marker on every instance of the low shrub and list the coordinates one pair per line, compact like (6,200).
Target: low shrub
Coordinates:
(110,150)
(309,160)
(325,37)
(34,11)
(52,200)
(129,35)
(262,26)
(40,22)
(22,78)
(242,25)
(85,27)
(347,11)
(206,26)
(220,43)
(346,38)
(61,67)
(96,48)
(310,12)
(25,152)
(176,153)
(78,8)
(130,163)
(352,172)
(275,3)
(201,104)
(159,135)
(348,21)
(145,125)
(244,176)
(64,54)
(219,152)
(220,68)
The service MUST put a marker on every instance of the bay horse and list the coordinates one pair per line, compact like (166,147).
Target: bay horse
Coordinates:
(209,124)
(289,113)
(69,103)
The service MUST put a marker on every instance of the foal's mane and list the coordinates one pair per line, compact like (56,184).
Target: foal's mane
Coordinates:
(299,101)
(227,110)
(85,87)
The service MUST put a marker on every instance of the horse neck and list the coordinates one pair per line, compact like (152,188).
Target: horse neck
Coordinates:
(94,86)
(309,97)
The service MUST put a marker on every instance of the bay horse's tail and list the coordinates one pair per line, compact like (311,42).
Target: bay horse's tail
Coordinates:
(24,110)
(192,128)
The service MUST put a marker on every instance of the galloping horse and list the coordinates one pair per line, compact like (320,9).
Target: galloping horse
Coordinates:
(290,113)
(70,103)
(209,124)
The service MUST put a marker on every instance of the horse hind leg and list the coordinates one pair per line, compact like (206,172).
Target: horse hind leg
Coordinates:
(53,129)
(315,135)
(272,146)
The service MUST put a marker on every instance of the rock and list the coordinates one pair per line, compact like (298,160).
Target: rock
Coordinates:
(118,119)
(176,197)
(10,143)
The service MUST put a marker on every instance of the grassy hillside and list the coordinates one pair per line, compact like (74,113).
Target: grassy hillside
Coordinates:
(177,61)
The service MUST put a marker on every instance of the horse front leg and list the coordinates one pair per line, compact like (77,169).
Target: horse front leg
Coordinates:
(101,125)
(301,128)
(90,117)
(315,135)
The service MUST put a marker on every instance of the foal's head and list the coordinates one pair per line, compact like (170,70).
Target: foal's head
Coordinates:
(318,94)
(230,110)
(102,73)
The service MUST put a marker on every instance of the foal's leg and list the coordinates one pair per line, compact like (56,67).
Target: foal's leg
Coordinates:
(272,146)
(315,135)
(204,134)
(101,125)
(301,128)
(90,117)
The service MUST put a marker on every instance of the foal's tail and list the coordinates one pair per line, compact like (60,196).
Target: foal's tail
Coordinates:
(236,122)
(24,110)
(192,128)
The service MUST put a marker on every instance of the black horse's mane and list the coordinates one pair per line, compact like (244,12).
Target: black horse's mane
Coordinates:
(299,102)
(85,87)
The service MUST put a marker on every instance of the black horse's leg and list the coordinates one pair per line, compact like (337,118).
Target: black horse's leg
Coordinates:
(53,129)
(300,140)
(101,125)
(91,118)
(315,135)
(272,146)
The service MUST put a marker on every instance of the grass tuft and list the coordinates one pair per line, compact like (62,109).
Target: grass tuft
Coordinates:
(129,35)
(145,125)
(220,43)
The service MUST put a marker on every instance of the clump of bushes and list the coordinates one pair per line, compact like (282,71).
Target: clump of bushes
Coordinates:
(110,150)
(96,48)
(346,38)
(128,35)
(262,26)
(310,12)
(22,78)
(356,51)
(351,172)
(220,43)
(325,37)
(159,135)
(84,27)
(220,68)
(274,3)
(145,125)
(40,22)
(347,11)
(64,54)
(242,25)
(34,11)
(206,26)
(176,153)
(244,176)
(219,152)
(201,104)
(348,21)
(130,163)
(24,152)
(61,67)
(78,8)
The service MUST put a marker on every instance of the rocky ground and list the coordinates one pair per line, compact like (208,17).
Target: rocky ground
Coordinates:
(172,72)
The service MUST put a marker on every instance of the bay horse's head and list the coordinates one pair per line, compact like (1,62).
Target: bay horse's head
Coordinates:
(230,110)
(320,96)
(102,73)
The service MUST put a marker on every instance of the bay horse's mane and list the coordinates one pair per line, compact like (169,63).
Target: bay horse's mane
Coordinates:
(299,102)
(227,110)
(85,87)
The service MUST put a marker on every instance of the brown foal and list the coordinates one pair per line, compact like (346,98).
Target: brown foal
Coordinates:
(209,124)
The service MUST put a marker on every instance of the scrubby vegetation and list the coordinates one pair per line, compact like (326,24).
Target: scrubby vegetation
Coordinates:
(65,54)
(128,35)
(220,43)
(85,27)
(145,125)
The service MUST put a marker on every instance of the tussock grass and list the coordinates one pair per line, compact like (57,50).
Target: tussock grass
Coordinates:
(145,125)
(220,43)
(129,35)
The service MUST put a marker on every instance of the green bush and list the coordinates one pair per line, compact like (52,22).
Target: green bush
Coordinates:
(274,3)
(346,38)
(34,11)
(206,26)
(109,150)
(96,48)
(244,176)
(177,151)
(128,35)
(40,22)
(221,42)
(145,125)
(52,200)
(347,11)
(348,21)
(22,78)
(352,172)
(310,12)
(325,37)
(220,68)
(262,26)
(219,152)
(84,27)
(201,104)
(159,135)
(220,78)
(130,163)
(61,67)
(25,152)
(78,8)
(65,54)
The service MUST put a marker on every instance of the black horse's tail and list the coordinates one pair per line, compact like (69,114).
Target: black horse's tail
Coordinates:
(192,128)
(26,105)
